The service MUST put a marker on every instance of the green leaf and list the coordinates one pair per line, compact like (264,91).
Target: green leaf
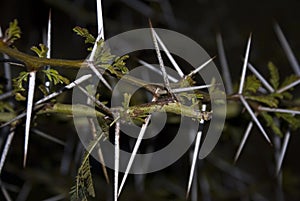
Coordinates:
(252,84)
(19,97)
(42,51)
(268,100)
(270,123)
(54,77)
(84,182)
(83,32)
(274,75)
(18,81)
(5,106)
(288,80)
(121,65)
(126,101)
(103,54)
(12,33)
(292,120)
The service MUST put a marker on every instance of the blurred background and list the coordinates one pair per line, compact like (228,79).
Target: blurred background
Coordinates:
(52,168)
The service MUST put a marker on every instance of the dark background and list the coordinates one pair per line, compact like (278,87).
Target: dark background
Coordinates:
(199,20)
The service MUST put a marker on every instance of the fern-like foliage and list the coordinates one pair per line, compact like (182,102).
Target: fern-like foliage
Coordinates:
(252,84)
(84,186)
(84,183)
(83,32)
(274,75)
(12,33)
(103,56)
(42,51)
(54,77)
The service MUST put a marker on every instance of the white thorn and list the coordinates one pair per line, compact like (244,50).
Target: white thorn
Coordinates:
(224,64)
(283,151)
(99,75)
(242,144)
(245,66)
(135,149)
(172,60)
(49,36)
(195,155)
(161,63)
(287,49)
(29,112)
(179,90)
(254,118)
(100,19)
(289,86)
(151,67)
(261,78)
(200,67)
(48,137)
(268,109)
(117,160)
(5,149)
(69,86)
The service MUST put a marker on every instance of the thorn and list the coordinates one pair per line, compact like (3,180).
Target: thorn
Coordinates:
(283,151)
(6,149)
(54,94)
(245,65)
(195,155)
(92,66)
(117,160)
(261,78)
(224,64)
(48,137)
(179,90)
(201,67)
(67,87)
(268,109)
(49,35)
(29,112)
(134,152)
(254,118)
(151,67)
(172,60)
(135,149)
(293,84)
(242,144)
(100,19)
(160,60)
(287,49)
